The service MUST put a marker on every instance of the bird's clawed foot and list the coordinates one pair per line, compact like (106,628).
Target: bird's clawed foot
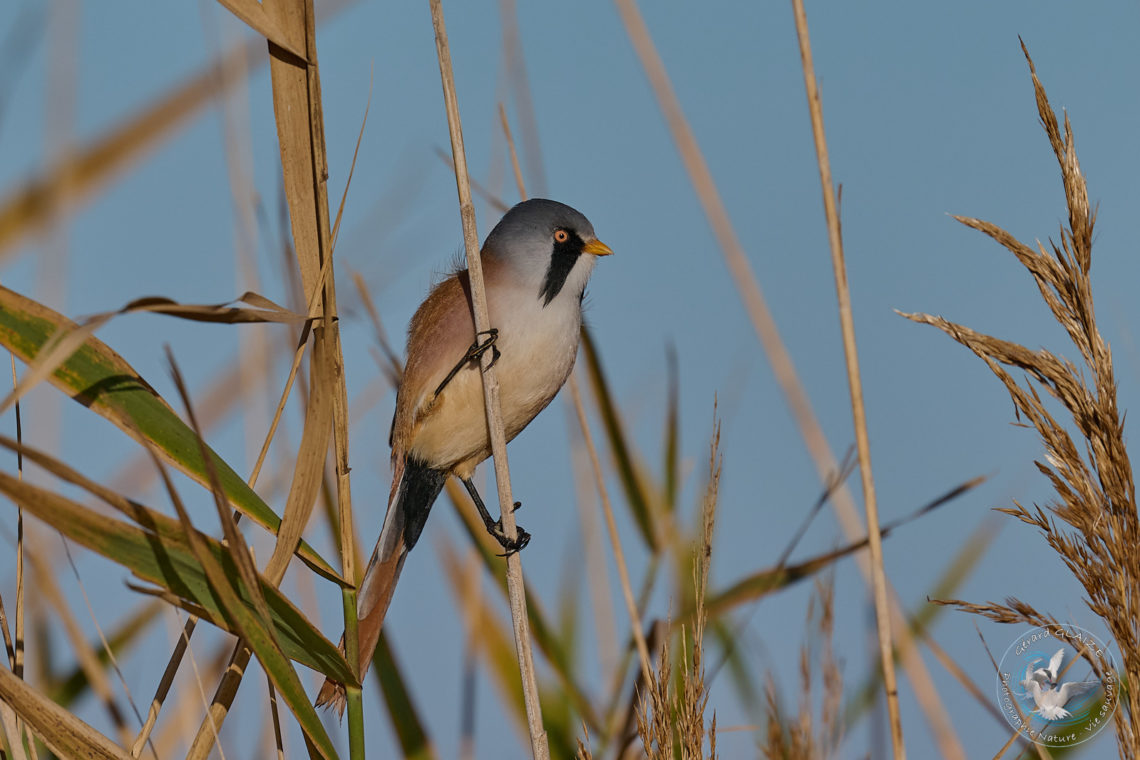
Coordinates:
(474,353)
(479,348)
(495,527)
(510,546)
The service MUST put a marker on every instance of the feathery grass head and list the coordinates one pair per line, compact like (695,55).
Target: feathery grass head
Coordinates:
(1092,522)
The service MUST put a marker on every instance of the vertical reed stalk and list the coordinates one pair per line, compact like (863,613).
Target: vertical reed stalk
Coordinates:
(858,412)
(516,590)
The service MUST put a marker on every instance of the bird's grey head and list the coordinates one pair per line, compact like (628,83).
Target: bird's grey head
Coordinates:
(547,245)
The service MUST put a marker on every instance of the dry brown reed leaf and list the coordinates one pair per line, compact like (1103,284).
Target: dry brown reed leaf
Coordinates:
(1092,524)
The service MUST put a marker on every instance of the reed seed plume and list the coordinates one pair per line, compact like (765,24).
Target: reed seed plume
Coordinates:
(671,717)
(1092,522)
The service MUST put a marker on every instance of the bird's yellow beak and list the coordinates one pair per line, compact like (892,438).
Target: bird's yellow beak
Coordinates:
(597,247)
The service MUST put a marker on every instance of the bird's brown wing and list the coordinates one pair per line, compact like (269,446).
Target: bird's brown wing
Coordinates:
(439,335)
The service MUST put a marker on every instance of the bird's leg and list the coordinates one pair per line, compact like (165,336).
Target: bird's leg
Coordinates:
(474,353)
(495,527)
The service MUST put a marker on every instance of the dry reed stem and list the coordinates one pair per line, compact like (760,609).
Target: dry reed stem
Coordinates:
(13,728)
(515,66)
(96,676)
(300,126)
(775,349)
(615,540)
(539,746)
(858,411)
(275,719)
(391,365)
(18,645)
(513,153)
(472,616)
(597,580)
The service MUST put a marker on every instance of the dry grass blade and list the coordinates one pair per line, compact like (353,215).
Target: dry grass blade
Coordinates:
(1092,524)
(299,117)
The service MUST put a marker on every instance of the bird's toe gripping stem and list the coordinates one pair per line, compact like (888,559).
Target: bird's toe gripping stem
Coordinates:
(474,354)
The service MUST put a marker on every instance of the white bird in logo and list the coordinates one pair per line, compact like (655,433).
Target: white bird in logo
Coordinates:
(1050,699)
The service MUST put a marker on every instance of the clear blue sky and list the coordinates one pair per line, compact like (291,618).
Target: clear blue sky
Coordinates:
(929,111)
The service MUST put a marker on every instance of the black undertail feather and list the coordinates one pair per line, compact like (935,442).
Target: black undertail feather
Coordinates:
(562,259)
(419,489)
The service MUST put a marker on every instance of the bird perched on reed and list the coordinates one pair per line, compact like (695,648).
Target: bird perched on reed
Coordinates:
(536,263)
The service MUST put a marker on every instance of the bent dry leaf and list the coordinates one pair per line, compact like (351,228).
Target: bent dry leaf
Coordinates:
(158,556)
(100,379)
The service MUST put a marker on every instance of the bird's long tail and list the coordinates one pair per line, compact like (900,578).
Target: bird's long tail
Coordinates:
(412,497)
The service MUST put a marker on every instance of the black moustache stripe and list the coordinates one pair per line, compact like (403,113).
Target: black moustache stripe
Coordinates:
(563,257)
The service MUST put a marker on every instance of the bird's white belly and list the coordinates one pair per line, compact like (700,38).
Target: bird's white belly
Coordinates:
(537,349)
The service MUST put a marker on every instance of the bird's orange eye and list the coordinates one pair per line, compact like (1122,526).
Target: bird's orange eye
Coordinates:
(561,236)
